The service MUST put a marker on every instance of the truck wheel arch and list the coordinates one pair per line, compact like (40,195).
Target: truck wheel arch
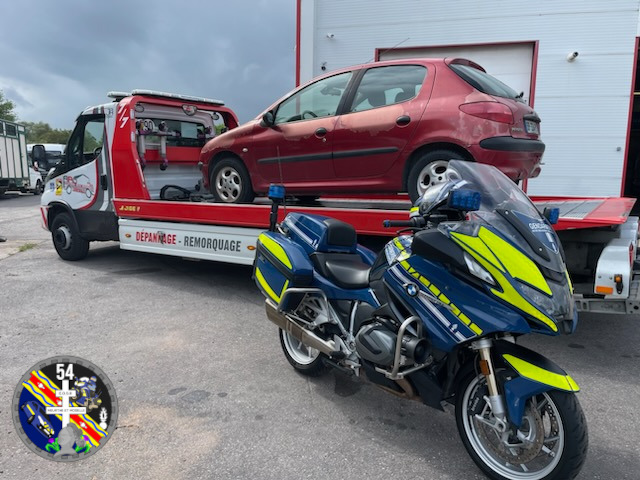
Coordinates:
(57,208)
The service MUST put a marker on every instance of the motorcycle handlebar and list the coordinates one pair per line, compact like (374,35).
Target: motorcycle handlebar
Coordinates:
(412,222)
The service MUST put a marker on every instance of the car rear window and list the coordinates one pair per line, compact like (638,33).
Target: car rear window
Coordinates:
(484,82)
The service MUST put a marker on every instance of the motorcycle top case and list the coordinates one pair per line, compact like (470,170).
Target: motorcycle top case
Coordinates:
(280,263)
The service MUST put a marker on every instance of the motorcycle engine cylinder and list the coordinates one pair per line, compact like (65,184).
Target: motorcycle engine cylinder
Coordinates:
(376,343)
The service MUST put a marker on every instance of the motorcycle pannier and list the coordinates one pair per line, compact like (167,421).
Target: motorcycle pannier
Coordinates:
(280,264)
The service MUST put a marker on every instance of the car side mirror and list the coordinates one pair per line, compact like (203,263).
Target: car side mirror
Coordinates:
(268,119)
(38,154)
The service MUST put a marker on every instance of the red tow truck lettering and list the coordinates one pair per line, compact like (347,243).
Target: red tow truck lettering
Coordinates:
(214,244)
(156,237)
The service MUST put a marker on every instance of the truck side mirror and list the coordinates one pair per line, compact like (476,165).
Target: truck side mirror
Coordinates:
(38,154)
(268,119)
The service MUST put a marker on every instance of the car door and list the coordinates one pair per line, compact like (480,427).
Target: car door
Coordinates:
(297,148)
(380,119)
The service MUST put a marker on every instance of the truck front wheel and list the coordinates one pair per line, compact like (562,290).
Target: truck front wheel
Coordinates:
(67,239)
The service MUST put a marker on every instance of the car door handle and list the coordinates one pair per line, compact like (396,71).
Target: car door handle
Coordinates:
(403,120)
(321,132)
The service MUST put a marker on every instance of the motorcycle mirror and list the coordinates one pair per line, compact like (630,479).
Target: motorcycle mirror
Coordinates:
(551,214)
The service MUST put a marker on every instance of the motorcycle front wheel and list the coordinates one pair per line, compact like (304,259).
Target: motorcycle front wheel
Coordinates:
(550,444)
(304,359)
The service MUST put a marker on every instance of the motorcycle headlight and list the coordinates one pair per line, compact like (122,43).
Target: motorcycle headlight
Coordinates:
(559,305)
(478,270)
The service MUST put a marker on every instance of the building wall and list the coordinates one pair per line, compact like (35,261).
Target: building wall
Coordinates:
(584,105)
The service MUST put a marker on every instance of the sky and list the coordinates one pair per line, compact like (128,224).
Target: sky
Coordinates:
(58,57)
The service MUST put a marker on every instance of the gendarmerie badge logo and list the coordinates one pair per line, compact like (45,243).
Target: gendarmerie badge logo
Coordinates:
(65,408)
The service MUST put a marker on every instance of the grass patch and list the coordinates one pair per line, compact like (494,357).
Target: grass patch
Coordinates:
(27,246)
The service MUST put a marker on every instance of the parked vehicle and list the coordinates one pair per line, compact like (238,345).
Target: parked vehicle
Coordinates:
(14,170)
(380,127)
(53,153)
(436,316)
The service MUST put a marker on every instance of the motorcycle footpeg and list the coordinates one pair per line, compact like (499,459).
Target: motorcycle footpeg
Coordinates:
(337,355)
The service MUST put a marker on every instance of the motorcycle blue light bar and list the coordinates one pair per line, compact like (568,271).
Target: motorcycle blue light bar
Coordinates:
(467,200)
(552,214)
(276,192)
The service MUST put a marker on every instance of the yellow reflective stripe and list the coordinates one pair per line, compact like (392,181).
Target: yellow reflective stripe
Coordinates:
(284,287)
(539,374)
(569,280)
(414,209)
(442,297)
(476,329)
(510,295)
(477,245)
(263,283)
(517,263)
(273,247)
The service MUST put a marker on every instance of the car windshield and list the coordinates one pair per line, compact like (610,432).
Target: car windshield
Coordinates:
(509,211)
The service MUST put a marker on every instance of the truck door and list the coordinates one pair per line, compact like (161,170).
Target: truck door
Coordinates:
(76,180)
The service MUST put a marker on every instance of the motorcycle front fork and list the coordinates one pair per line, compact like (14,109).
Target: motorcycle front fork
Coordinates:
(495,399)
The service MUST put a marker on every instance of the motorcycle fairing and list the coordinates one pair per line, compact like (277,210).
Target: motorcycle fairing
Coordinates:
(506,263)
(536,374)
(460,311)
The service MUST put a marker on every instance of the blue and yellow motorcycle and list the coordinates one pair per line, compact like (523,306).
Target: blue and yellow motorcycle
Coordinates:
(437,314)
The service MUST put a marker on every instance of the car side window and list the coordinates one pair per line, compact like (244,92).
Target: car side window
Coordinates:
(320,99)
(382,86)
(86,141)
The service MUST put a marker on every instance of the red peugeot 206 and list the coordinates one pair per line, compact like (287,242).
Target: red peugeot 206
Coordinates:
(383,127)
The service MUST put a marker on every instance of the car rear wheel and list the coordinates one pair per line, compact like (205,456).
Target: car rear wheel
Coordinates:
(230,182)
(429,170)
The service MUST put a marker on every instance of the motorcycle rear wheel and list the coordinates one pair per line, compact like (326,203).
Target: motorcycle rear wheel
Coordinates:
(553,435)
(306,360)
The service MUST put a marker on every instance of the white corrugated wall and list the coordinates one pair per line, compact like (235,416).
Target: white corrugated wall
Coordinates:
(584,105)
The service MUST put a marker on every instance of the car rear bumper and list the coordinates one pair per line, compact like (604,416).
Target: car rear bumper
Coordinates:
(518,158)
(511,144)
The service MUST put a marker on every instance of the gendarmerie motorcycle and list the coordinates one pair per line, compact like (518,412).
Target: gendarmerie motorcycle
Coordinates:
(437,314)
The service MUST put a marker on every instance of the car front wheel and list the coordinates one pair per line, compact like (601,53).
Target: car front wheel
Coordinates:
(230,182)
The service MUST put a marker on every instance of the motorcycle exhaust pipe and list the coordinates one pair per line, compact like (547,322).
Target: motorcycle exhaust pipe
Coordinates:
(308,338)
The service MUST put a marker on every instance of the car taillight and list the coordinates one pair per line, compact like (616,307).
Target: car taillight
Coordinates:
(494,111)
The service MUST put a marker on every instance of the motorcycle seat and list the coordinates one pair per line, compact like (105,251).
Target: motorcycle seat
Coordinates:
(347,270)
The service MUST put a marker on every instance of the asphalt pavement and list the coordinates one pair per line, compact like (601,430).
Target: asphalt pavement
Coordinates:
(205,392)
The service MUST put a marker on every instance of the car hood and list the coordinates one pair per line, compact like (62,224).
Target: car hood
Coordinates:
(226,140)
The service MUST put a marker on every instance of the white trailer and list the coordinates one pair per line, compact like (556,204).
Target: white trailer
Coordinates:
(576,61)
(14,169)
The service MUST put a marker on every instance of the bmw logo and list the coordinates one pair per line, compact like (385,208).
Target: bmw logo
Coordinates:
(411,289)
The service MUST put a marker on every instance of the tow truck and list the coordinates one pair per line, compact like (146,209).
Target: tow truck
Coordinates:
(137,161)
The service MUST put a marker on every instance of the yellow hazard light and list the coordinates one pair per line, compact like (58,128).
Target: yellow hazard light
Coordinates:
(604,290)
(127,235)
(251,248)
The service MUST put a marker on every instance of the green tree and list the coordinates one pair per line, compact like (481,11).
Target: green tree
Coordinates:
(40,132)
(7,109)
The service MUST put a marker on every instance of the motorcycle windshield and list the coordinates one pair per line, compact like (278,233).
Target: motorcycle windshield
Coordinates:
(509,211)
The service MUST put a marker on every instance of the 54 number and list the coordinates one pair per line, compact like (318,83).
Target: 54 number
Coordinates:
(62,373)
